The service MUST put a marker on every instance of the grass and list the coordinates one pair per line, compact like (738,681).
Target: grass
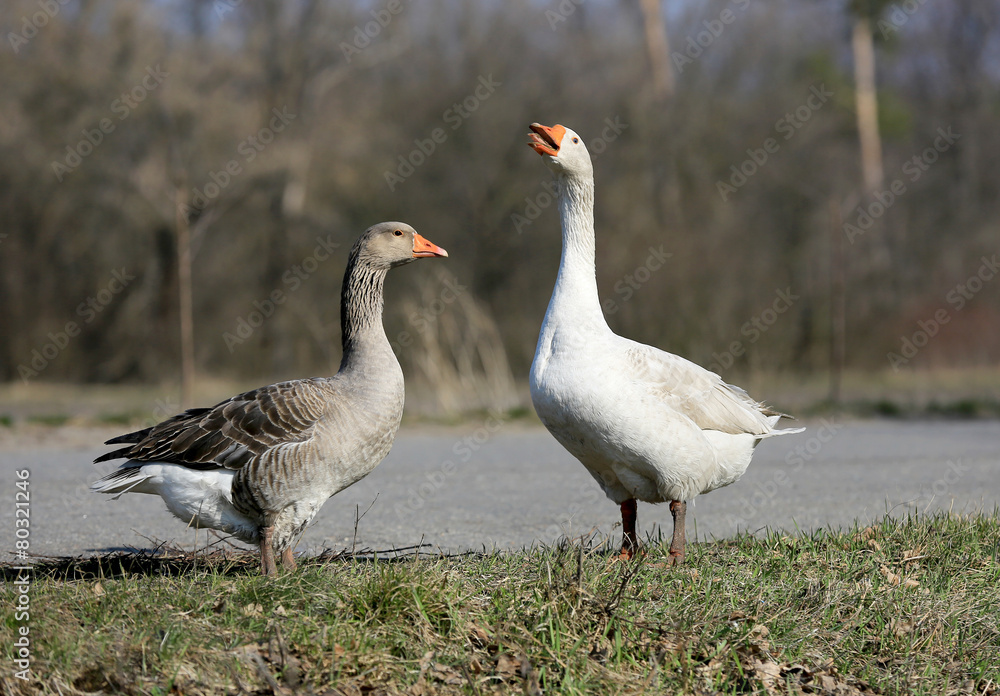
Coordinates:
(905,607)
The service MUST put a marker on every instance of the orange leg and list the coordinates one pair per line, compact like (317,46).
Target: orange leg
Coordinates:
(677,510)
(630,545)
(287,559)
(267,566)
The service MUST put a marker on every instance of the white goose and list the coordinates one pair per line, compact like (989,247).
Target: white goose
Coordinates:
(260,465)
(646,424)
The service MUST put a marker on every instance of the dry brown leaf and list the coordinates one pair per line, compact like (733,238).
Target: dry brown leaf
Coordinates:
(768,673)
(478,636)
(253,610)
(280,610)
(890,576)
(532,680)
(507,665)
(823,664)
(872,544)
(760,631)
(866,533)
(425,664)
(445,673)
(901,628)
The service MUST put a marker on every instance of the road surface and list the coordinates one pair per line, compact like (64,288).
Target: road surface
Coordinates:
(490,485)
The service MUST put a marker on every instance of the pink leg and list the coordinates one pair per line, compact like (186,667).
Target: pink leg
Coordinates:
(267,566)
(677,510)
(630,545)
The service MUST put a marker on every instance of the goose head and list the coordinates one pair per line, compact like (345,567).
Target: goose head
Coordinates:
(563,150)
(390,244)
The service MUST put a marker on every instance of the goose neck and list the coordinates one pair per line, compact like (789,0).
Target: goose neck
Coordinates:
(577,272)
(361,310)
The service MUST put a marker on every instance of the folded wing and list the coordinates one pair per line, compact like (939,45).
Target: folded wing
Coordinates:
(699,394)
(233,432)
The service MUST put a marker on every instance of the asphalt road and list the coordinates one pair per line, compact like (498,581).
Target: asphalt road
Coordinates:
(503,485)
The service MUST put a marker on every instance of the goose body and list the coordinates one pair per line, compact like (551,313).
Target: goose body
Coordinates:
(647,425)
(261,464)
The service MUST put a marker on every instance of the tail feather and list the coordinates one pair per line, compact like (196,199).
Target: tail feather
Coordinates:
(120,481)
(768,411)
(116,454)
(773,419)
(136,436)
(140,435)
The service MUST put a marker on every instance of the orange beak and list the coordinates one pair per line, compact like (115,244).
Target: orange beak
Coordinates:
(546,140)
(422,248)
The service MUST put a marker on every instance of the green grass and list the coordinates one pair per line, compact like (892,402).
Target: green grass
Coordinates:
(904,607)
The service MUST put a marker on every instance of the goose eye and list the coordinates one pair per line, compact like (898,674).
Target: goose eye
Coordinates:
(398,233)
(576,140)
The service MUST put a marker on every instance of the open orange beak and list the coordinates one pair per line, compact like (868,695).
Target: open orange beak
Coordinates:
(546,140)
(422,248)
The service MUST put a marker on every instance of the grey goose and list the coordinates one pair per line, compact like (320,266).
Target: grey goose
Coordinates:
(260,465)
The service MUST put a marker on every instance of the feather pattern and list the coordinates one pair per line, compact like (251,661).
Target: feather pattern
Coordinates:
(270,457)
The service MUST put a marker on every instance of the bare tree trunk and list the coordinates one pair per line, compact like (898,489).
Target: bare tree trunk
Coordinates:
(838,290)
(867,105)
(658,48)
(184,295)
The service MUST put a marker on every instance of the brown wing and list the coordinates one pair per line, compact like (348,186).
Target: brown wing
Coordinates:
(233,432)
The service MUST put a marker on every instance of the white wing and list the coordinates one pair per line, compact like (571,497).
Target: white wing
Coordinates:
(697,393)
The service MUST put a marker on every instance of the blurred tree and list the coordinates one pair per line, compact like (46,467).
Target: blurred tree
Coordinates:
(439,96)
